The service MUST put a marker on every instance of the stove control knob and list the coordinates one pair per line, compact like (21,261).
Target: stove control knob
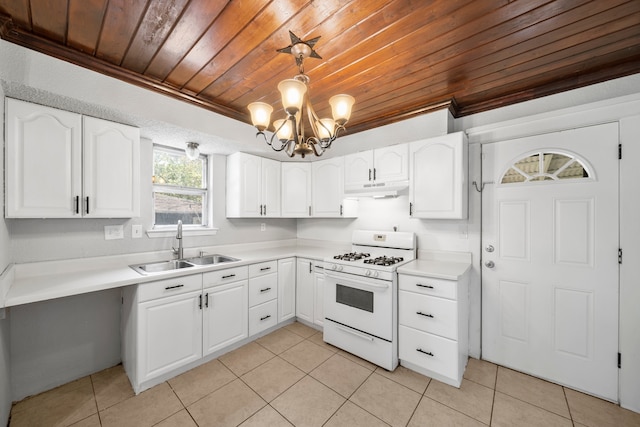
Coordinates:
(367,273)
(375,274)
(334,267)
(339,268)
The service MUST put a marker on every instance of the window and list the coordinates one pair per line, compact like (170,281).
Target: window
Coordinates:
(179,188)
(546,166)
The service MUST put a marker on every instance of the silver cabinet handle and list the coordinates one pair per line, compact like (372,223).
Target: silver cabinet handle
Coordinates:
(490,264)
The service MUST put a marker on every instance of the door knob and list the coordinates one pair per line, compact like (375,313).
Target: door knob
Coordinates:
(489,264)
(489,248)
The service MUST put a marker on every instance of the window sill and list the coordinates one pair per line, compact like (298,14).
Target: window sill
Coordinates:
(171,232)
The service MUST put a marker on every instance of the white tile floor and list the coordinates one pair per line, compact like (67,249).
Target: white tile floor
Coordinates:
(291,377)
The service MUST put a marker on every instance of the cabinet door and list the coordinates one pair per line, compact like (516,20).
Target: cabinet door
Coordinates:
(438,186)
(170,334)
(43,161)
(226,315)
(244,191)
(318,303)
(286,289)
(328,188)
(111,169)
(391,163)
(271,188)
(304,289)
(358,170)
(296,190)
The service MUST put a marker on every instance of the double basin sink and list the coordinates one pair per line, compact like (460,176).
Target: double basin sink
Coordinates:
(179,264)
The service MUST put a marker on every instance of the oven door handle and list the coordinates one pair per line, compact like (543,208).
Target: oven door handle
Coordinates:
(363,284)
(349,331)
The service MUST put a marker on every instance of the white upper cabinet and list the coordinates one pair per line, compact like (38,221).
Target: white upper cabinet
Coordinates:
(253,186)
(52,167)
(391,164)
(328,190)
(439,177)
(379,170)
(111,169)
(296,190)
(358,170)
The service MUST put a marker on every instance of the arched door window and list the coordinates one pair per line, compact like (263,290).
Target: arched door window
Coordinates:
(548,165)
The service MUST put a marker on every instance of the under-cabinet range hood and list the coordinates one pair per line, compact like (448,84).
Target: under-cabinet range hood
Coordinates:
(376,189)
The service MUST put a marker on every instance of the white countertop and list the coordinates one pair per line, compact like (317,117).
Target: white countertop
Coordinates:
(40,281)
(449,270)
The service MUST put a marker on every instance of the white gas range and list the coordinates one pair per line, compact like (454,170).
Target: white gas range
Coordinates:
(361,295)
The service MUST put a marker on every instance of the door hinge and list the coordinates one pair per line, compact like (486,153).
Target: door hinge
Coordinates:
(619,256)
(619,360)
(619,151)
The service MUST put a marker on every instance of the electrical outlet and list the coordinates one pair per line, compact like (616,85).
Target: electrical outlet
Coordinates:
(112,232)
(263,226)
(136,231)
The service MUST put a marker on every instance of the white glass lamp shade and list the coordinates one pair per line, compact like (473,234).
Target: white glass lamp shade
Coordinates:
(341,107)
(260,114)
(192,151)
(292,92)
(325,128)
(284,132)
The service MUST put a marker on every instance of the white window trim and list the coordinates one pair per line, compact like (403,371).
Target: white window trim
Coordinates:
(169,230)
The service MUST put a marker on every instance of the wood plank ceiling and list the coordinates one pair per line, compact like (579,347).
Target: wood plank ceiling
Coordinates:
(397,58)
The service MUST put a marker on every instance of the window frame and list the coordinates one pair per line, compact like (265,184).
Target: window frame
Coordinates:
(204,192)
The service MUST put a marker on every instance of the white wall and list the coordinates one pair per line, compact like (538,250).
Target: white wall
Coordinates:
(57,341)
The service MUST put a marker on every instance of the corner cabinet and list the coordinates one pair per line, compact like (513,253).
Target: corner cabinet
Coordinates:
(438,185)
(253,186)
(327,192)
(286,289)
(63,165)
(310,291)
(296,190)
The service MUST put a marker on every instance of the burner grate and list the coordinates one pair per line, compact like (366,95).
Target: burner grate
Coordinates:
(384,260)
(352,256)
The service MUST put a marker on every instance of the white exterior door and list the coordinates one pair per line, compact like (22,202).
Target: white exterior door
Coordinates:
(550,257)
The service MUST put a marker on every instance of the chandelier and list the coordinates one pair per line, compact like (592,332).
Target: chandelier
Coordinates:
(289,133)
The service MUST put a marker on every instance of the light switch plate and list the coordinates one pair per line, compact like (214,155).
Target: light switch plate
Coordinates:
(112,232)
(136,231)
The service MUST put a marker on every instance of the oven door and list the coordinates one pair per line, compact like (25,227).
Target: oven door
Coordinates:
(365,304)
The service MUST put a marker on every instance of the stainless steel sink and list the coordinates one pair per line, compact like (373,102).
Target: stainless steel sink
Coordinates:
(162,266)
(177,264)
(211,259)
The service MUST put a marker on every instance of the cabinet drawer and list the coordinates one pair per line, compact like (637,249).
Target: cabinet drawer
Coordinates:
(428,351)
(429,314)
(227,275)
(263,289)
(263,316)
(169,287)
(263,268)
(429,286)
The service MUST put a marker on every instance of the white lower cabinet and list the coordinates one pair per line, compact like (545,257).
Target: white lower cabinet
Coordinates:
(286,289)
(162,327)
(225,310)
(310,291)
(433,329)
(263,296)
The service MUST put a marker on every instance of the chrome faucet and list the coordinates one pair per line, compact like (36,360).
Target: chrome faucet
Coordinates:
(180,251)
